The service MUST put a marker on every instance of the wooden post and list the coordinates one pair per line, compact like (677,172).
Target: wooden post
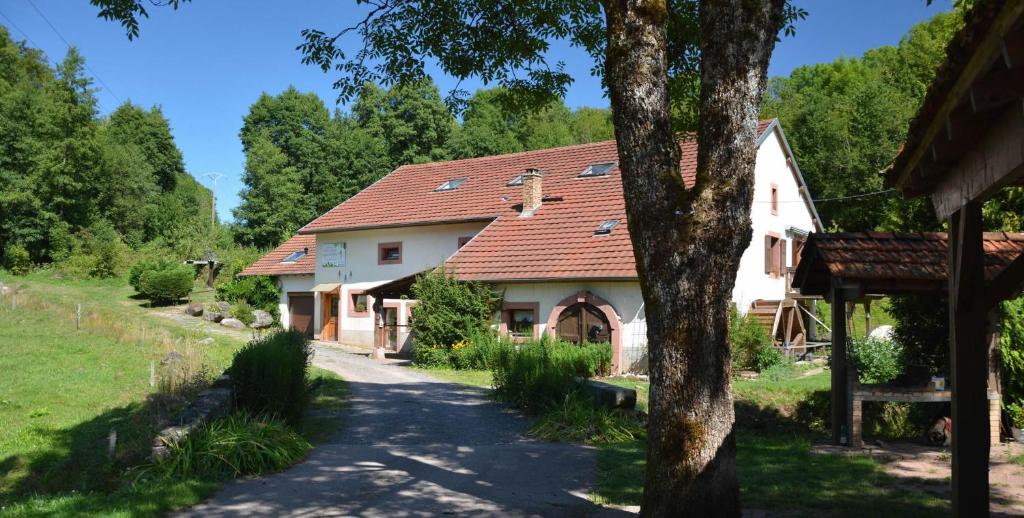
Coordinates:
(968,362)
(851,308)
(995,381)
(152,373)
(78,317)
(867,317)
(112,443)
(840,398)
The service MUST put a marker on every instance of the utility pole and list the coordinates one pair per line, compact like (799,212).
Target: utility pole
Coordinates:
(213,176)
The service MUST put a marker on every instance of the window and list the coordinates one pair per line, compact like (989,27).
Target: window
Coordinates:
(775,200)
(606,227)
(798,248)
(389,253)
(515,181)
(359,303)
(774,255)
(295,256)
(463,240)
(451,185)
(597,170)
(520,323)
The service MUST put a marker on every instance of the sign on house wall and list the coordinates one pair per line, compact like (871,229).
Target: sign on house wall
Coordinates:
(332,255)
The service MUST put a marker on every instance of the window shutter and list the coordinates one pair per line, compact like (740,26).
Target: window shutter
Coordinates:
(768,254)
(782,257)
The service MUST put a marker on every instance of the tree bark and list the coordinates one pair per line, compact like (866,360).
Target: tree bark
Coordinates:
(688,242)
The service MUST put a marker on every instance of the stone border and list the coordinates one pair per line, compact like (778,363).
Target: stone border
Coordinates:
(211,403)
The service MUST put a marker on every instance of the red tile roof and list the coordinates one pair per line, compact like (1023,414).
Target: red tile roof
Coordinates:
(271,264)
(900,261)
(556,242)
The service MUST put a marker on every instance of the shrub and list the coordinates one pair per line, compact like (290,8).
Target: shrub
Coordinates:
(143,266)
(237,445)
(16,259)
(538,375)
(258,292)
(166,286)
(449,310)
(921,326)
(271,376)
(876,360)
(768,356)
(1011,348)
(243,311)
(752,348)
(1015,411)
(108,252)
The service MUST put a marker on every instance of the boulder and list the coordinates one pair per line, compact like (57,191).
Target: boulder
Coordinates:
(223,307)
(611,396)
(213,316)
(206,341)
(233,323)
(173,357)
(261,319)
(195,309)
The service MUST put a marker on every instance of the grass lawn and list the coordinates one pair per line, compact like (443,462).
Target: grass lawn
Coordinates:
(476,378)
(64,393)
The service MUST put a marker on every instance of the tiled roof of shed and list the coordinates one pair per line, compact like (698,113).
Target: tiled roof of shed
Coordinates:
(883,257)
(271,264)
(556,242)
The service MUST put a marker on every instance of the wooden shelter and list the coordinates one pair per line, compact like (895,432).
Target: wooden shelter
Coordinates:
(963,146)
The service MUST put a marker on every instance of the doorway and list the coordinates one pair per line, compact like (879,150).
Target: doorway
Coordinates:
(329,331)
(583,322)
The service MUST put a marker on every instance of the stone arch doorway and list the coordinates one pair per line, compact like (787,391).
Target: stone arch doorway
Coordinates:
(593,310)
(583,322)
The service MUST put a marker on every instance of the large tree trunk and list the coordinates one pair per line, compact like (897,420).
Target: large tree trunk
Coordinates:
(688,242)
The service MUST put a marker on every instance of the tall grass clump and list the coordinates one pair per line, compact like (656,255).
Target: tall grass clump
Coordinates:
(577,419)
(271,376)
(538,375)
(237,445)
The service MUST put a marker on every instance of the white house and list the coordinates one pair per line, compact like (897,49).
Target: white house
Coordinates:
(546,227)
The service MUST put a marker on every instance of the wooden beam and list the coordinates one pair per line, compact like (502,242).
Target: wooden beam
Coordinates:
(996,89)
(840,387)
(1007,284)
(968,362)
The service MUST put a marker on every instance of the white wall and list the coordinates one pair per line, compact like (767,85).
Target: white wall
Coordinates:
(289,283)
(624,296)
(752,282)
(423,247)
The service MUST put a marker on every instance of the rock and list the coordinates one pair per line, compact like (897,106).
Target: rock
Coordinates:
(172,357)
(4,290)
(611,396)
(223,307)
(213,316)
(195,309)
(883,332)
(261,319)
(232,322)
(206,341)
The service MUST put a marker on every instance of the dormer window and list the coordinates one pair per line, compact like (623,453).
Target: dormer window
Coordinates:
(606,227)
(450,185)
(295,256)
(597,170)
(515,181)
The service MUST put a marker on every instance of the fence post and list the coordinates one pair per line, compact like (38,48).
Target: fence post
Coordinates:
(78,317)
(111,443)
(152,373)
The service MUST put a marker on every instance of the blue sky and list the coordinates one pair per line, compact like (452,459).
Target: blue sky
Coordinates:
(206,63)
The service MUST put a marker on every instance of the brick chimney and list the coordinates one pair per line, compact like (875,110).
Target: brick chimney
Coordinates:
(532,193)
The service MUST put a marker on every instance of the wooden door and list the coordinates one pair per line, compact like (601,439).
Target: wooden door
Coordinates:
(583,323)
(329,332)
(300,311)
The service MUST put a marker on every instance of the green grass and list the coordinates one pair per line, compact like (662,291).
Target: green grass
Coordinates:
(324,417)
(1019,459)
(476,378)
(63,391)
(879,316)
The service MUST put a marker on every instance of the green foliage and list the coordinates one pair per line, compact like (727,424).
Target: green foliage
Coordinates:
(449,310)
(17,260)
(876,360)
(271,376)
(145,265)
(537,375)
(259,292)
(922,328)
(1011,348)
(166,286)
(1015,411)
(752,348)
(235,446)
(243,311)
(577,419)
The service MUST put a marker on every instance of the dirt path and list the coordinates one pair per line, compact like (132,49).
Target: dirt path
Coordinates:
(412,445)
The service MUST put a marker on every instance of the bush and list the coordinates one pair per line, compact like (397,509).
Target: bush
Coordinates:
(876,360)
(449,311)
(1011,348)
(237,445)
(536,376)
(271,376)
(16,259)
(479,352)
(1015,411)
(922,327)
(258,292)
(752,348)
(166,286)
(143,266)
(243,311)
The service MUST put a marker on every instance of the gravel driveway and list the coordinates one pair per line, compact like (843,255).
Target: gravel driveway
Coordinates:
(412,445)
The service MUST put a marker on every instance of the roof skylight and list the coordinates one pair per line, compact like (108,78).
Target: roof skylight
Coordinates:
(451,185)
(606,227)
(597,169)
(294,256)
(515,181)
